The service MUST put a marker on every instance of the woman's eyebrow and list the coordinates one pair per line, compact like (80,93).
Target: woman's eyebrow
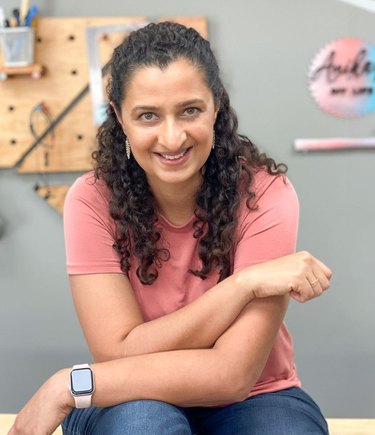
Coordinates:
(150,108)
(191,102)
(182,104)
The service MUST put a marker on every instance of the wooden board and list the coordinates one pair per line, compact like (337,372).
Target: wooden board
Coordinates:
(351,426)
(338,426)
(6,421)
(61,50)
(54,195)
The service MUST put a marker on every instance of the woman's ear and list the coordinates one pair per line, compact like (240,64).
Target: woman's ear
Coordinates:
(117,113)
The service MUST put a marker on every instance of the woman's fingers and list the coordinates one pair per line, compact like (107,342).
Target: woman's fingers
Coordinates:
(316,280)
(312,277)
(307,289)
(326,270)
(322,281)
(315,285)
(301,275)
(323,273)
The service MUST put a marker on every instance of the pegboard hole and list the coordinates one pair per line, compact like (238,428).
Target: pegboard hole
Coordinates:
(11,108)
(71,37)
(74,72)
(103,37)
(39,40)
(13,141)
(80,136)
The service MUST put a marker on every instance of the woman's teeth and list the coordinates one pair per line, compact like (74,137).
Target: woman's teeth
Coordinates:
(175,157)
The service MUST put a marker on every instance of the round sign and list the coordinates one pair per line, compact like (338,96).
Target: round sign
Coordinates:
(342,78)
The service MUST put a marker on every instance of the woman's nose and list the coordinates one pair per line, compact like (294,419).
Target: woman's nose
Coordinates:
(172,135)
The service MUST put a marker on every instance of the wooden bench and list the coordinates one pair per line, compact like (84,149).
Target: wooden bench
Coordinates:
(6,421)
(337,426)
(351,426)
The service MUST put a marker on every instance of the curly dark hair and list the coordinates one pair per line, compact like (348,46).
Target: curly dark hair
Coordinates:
(228,172)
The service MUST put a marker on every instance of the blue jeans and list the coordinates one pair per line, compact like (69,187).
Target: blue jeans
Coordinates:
(285,412)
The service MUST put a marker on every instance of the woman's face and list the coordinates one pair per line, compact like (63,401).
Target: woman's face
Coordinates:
(168,116)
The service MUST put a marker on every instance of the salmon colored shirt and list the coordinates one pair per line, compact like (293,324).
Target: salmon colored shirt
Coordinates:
(268,232)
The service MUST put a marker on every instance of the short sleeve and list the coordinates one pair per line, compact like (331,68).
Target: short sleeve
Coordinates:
(270,230)
(89,230)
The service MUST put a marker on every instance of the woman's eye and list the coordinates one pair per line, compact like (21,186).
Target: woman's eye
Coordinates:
(149,116)
(191,111)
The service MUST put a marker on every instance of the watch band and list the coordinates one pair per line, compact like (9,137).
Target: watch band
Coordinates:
(80,366)
(83,401)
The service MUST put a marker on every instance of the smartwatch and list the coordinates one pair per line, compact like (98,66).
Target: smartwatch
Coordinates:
(82,385)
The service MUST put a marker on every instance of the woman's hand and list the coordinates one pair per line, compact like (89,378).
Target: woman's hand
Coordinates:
(44,412)
(301,275)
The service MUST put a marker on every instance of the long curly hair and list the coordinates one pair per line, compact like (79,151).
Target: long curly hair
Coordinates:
(227,175)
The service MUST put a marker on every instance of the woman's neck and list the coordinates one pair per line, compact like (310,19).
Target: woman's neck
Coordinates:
(176,202)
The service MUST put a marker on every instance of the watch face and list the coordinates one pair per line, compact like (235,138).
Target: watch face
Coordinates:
(81,381)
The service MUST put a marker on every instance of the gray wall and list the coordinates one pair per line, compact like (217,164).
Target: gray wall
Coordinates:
(264,48)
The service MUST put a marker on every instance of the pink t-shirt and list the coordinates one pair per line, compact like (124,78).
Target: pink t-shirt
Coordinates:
(268,232)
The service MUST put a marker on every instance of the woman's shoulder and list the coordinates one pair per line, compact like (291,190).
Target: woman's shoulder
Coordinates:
(274,205)
(268,186)
(88,186)
(270,193)
(88,192)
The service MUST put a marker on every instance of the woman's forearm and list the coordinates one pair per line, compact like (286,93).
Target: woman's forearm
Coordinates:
(186,378)
(197,325)
(223,374)
(182,378)
(198,377)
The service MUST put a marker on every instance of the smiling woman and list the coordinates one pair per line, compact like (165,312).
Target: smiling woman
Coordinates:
(168,116)
(181,255)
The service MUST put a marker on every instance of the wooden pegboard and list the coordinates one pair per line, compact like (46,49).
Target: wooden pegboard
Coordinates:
(61,49)
(54,195)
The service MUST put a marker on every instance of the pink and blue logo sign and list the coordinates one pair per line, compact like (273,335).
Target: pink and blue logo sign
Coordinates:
(342,78)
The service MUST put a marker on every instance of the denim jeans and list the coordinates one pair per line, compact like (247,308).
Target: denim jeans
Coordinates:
(285,412)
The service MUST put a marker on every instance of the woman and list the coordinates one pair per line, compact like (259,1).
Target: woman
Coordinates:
(180,250)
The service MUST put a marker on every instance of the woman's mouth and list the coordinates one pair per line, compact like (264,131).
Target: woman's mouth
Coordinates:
(174,158)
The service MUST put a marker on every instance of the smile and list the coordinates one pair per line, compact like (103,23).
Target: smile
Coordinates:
(172,157)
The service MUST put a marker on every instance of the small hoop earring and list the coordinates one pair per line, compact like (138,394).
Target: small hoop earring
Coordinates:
(213,140)
(127,148)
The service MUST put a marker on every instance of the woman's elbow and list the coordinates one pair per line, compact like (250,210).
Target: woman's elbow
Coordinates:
(239,390)
(236,384)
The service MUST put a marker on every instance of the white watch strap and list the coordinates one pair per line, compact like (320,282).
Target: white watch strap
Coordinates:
(82,401)
(81,366)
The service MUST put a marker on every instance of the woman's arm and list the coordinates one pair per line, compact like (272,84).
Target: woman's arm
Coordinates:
(109,312)
(114,327)
(201,377)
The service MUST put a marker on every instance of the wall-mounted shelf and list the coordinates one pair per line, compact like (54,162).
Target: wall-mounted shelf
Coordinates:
(35,71)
